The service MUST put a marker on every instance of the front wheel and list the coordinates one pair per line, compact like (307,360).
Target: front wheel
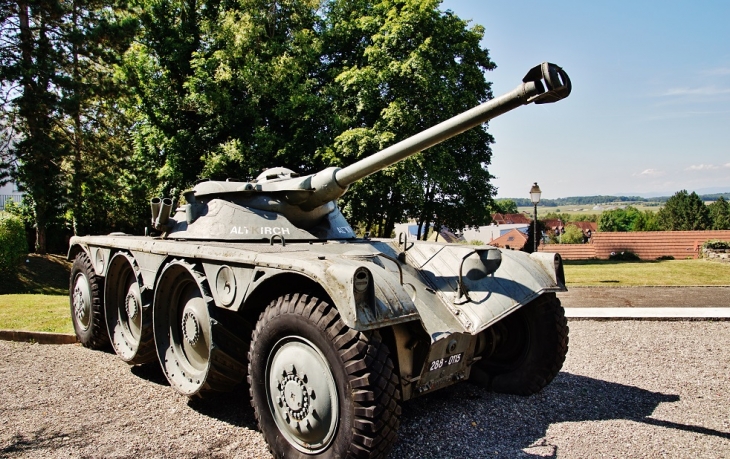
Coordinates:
(87,306)
(320,389)
(526,349)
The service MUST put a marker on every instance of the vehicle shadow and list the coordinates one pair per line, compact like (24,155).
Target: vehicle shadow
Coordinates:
(490,424)
(466,420)
(232,407)
(151,372)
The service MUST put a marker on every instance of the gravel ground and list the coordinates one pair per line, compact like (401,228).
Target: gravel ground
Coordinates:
(627,389)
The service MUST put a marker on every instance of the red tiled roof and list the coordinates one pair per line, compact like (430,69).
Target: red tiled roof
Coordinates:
(585,226)
(510,219)
(514,239)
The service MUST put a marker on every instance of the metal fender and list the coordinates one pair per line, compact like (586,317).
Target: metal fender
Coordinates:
(478,303)
(382,302)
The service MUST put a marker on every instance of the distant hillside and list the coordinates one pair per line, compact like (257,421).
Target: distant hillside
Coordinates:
(596,200)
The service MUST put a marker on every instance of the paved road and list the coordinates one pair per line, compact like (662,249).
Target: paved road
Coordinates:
(604,297)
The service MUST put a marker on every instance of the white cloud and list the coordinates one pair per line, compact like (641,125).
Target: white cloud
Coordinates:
(701,91)
(650,173)
(702,167)
(727,165)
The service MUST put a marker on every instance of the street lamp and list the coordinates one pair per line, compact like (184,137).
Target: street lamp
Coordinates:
(535,198)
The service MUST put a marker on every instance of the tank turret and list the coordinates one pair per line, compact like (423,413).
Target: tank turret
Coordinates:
(280,203)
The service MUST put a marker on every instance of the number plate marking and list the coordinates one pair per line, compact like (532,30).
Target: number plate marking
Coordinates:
(445,362)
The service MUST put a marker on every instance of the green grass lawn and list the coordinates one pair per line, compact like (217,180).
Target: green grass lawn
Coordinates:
(35,312)
(636,273)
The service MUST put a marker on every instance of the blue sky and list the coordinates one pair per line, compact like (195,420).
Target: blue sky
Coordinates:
(650,108)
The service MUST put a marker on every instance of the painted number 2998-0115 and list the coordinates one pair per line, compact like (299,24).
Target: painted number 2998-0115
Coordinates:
(445,362)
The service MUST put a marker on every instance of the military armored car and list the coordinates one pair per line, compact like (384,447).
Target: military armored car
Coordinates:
(264,284)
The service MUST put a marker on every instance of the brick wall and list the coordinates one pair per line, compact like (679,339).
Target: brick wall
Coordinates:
(648,245)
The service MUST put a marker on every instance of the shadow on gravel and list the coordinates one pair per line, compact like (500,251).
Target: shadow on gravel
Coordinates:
(150,372)
(47,439)
(233,407)
(513,426)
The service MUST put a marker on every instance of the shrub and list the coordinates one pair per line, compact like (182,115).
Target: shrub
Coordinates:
(665,258)
(13,244)
(572,235)
(716,245)
(626,255)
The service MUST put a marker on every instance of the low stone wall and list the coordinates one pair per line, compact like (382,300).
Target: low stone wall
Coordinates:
(721,255)
(648,245)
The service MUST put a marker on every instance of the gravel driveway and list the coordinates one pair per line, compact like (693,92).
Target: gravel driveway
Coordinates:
(628,389)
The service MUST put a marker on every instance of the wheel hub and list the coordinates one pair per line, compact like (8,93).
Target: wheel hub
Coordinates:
(79,305)
(294,394)
(82,303)
(190,328)
(132,306)
(306,410)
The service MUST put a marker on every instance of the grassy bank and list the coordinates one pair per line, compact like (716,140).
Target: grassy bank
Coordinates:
(637,273)
(34,312)
(35,296)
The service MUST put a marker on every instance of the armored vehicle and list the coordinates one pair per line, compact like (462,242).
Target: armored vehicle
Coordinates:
(265,284)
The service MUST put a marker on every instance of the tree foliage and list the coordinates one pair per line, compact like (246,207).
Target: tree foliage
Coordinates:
(530,243)
(628,219)
(55,62)
(505,206)
(684,212)
(105,105)
(306,86)
(720,214)
(399,67)
(572,235)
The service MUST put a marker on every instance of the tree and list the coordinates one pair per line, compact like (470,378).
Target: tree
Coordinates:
(505,206)
(399,67)
(530,243)
(95,35)
(628,219)
(720,214)
(572,235)
(645,221)
(684,212)
(29,60)
(55,63)
(238,83)
(617,219)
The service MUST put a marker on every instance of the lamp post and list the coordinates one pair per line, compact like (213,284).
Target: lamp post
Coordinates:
(535,198)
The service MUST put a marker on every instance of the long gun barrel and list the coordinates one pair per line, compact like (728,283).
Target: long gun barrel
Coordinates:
(532,89)
(545,83)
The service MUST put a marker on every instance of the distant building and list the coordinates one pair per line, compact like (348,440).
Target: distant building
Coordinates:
(486,234)
(513,239)
(510,219)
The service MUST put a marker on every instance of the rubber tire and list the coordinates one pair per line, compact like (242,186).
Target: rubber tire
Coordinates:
(117,282)
(542,335)
(225,367)
(96,335)
(367,384)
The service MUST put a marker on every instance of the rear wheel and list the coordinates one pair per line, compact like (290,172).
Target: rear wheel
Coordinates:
(87,306)
(526,349)
(320,389)
(128,311)
(200,346)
